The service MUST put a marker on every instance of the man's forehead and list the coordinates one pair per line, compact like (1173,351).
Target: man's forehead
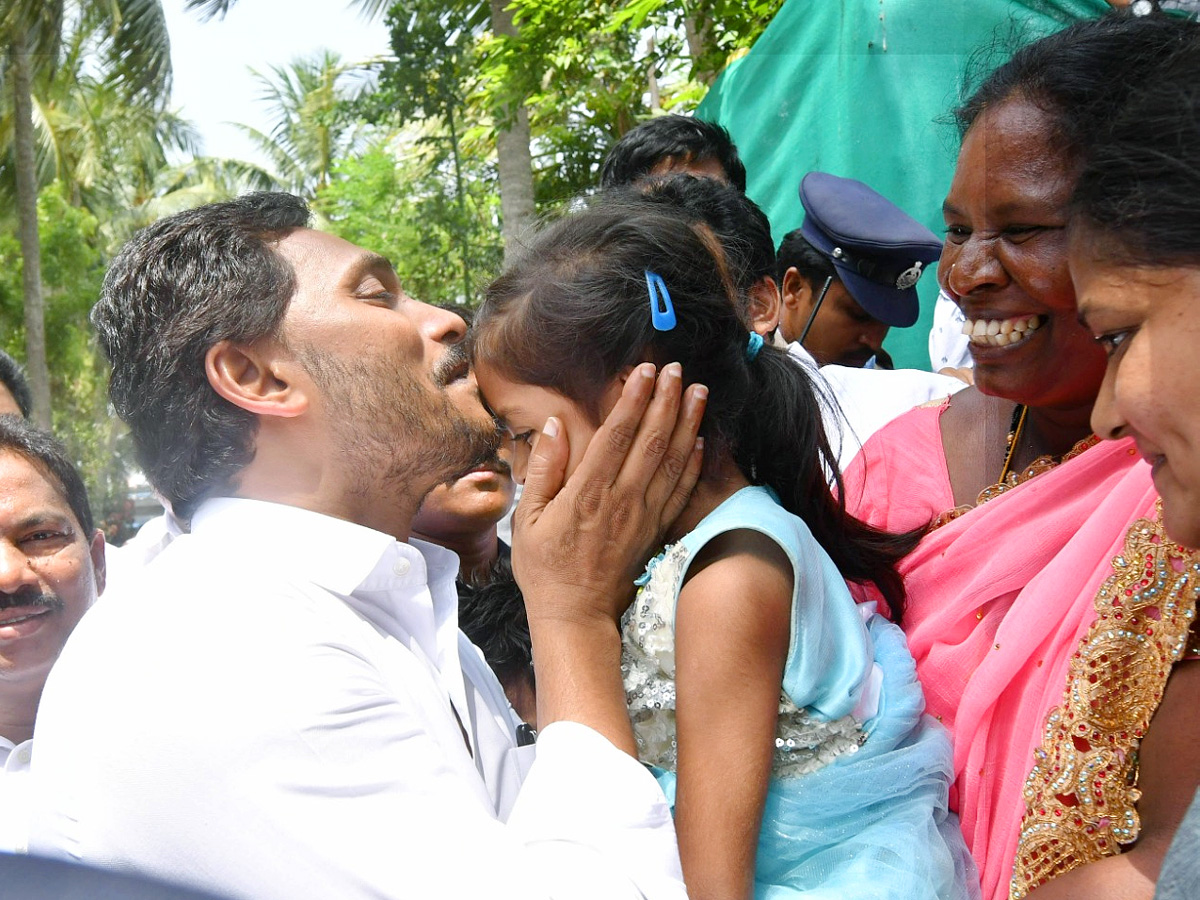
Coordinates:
(27,486)
(309,251)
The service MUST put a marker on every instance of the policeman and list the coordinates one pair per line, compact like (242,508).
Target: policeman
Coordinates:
(848,273)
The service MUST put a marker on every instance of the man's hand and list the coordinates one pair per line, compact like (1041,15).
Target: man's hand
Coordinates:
(578,548)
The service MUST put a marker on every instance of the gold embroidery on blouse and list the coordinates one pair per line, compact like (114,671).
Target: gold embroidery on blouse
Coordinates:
(1037,467)
(1081,796)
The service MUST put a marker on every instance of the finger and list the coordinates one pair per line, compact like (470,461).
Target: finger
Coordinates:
(678,463)
(655,432)
(606,453)
(682,494)
(545,472)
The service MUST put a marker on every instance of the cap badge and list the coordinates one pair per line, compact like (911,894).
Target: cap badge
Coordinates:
(908,277)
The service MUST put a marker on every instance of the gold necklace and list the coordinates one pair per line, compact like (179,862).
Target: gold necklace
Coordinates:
(1014,437)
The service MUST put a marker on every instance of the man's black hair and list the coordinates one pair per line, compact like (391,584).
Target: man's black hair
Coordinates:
(491,612)
(177,288)
(12,376)
(44,452)
(677,138)
(795,252)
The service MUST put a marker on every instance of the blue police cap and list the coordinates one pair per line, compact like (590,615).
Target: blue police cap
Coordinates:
(878,250)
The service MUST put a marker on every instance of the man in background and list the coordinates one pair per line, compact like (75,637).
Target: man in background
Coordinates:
(672,145)
(51,571)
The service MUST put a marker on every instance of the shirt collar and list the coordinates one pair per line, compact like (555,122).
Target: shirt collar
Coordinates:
(797,351)
(333,553)
(402,588)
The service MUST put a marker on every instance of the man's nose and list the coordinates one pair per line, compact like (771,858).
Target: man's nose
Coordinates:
(873,334)
(15,570)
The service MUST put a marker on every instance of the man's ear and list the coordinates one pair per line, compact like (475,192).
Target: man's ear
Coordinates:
(256,377)
(99,565)
(764,309)
(797,292)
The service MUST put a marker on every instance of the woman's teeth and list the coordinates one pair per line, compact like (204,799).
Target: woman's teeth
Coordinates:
(1001,332)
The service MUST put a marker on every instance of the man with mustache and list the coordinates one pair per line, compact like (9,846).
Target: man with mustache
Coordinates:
(51,571)
(280,705)
(462,515)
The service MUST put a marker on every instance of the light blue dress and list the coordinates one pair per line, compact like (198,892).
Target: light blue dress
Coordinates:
(856,806)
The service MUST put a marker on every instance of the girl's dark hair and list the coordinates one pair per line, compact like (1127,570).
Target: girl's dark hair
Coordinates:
(1080,75)
(1138,198)
(575,312)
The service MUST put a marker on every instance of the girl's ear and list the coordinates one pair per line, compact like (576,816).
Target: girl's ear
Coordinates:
(612,393)
(765,306)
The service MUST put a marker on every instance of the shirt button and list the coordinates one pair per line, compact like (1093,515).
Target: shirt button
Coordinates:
(23,755)
(401,567)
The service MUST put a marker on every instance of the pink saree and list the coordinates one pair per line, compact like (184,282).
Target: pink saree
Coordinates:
(998,601)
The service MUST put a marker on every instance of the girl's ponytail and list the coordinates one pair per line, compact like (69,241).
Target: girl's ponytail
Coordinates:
(782,443)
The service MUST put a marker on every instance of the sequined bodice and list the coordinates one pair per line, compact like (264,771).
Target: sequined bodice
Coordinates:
(803,742)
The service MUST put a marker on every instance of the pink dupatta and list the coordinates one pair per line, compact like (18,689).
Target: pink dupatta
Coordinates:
(998,601)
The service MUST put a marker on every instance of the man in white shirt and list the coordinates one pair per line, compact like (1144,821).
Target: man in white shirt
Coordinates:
(281,705)
(51,570)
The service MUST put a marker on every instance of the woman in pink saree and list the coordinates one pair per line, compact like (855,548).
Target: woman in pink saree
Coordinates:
(1048,607)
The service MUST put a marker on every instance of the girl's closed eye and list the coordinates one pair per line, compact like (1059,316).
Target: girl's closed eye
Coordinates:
(526,437)
(1113,341)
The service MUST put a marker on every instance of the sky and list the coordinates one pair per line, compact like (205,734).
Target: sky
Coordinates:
(211,60)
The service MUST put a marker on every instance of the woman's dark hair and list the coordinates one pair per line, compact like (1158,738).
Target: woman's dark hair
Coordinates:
(1137,200)
(575,312)
(1080,75)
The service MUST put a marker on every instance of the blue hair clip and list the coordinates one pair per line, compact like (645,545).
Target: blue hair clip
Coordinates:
(753,345)
(662,311)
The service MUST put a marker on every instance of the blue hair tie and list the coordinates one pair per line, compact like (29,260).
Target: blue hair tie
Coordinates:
(753,345)
(662,311)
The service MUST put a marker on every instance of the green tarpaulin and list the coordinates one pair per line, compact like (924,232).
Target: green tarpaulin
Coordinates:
(862,88)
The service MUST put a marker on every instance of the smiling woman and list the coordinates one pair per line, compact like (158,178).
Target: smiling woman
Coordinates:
(1136,262)
(1020,606)
(1135,258)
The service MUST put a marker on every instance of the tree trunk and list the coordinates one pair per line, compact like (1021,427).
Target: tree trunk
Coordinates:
(515,162)
(461,194)
(697,27)
(27,227)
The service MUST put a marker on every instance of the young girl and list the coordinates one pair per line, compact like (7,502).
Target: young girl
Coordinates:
(785,722)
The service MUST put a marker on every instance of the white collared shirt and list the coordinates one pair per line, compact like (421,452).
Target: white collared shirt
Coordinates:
(273,709)
(14,801)
(867,399)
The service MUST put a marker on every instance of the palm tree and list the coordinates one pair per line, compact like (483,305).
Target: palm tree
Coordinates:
(512,120)
(130,46)
(312,126)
